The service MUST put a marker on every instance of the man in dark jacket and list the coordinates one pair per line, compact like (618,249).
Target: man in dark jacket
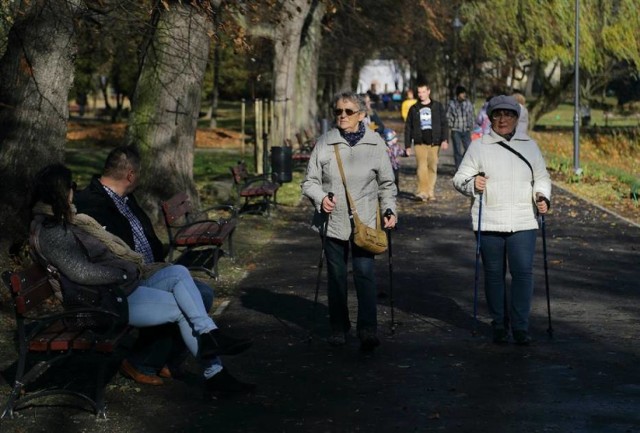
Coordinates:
(159,350)
(426,130)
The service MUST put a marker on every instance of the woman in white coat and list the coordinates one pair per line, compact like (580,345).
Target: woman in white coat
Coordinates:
(514,187)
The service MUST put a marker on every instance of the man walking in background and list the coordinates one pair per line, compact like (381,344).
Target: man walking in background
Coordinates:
(426,127)
(461,117)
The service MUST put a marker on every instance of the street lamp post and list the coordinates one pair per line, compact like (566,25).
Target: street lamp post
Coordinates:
(576,108)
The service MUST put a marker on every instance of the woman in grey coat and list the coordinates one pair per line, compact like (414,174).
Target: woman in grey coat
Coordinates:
(370,180)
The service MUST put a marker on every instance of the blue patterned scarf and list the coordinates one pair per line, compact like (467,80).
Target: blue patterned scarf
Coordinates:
(353,137)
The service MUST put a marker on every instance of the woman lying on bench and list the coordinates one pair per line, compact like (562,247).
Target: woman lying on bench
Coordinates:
(86,254)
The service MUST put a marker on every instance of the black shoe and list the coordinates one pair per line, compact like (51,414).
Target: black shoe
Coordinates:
(215,343)
(368,340)
(337,339)
(224,384)
(521,338)
(500,336)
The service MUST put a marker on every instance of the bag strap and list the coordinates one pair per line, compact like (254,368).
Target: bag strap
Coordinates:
(519,155)
(352,209)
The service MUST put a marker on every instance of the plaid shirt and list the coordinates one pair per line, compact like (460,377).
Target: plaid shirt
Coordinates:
(460,115)
(140,241)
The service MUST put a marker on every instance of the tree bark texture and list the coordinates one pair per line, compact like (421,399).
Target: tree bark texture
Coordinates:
(36,73)
(306,95)
(285,62)
(166,103)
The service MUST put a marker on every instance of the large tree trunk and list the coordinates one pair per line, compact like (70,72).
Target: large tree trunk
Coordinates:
(36,73)
(166,103)
(306,94)
(287,44)
(552,94)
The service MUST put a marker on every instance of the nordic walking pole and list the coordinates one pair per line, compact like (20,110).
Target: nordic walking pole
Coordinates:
(546,272)
(323,236)
(388,213)
(476,282)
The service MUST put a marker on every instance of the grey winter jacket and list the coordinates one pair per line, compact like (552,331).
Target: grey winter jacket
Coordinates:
(369,178)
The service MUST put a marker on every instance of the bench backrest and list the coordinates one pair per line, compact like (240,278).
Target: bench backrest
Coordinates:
(177,207)
(239,173)
(29,288)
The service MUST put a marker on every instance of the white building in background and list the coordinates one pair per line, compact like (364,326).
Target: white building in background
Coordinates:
(382,76)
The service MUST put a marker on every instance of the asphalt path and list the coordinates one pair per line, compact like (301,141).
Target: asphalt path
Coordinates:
(431,373)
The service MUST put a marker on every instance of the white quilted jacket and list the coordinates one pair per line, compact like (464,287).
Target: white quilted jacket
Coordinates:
(508,200)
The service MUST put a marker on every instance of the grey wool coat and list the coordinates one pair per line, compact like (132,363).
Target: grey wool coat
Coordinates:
(369,178)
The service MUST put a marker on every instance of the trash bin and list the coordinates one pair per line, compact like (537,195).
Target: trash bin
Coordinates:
(281,164)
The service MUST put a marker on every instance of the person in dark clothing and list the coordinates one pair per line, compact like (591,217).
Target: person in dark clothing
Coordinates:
(108,198)
(82,252)
(461,118)
(427,129)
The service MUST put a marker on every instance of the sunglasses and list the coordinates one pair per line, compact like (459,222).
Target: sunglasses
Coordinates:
(348,111)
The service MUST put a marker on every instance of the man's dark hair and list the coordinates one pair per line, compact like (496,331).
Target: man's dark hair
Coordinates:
(119,160)
(460,89)
(423,83)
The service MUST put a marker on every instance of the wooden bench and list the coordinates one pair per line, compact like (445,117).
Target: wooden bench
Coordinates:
(302,152)
(258,192)
(195,235)
(48,333)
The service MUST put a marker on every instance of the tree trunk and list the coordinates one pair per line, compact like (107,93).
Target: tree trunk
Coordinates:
(287,44)
(36,74)
(166,103)
(306,94)
(348,75)
(552,94)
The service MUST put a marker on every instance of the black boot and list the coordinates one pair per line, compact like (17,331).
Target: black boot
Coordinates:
(368,340)
(215,343)
(223,384)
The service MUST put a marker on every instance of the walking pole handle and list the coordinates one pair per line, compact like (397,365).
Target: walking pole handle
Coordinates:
(387,214)
(330,196)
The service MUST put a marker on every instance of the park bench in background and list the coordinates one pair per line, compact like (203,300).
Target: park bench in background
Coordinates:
(197,236)
(302,152)
(258,192)
(47,334)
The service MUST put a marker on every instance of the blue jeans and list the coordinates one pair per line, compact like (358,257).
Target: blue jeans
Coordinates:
(162,345)
(171,296)
(461,141)
(337,253)
(516,249)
